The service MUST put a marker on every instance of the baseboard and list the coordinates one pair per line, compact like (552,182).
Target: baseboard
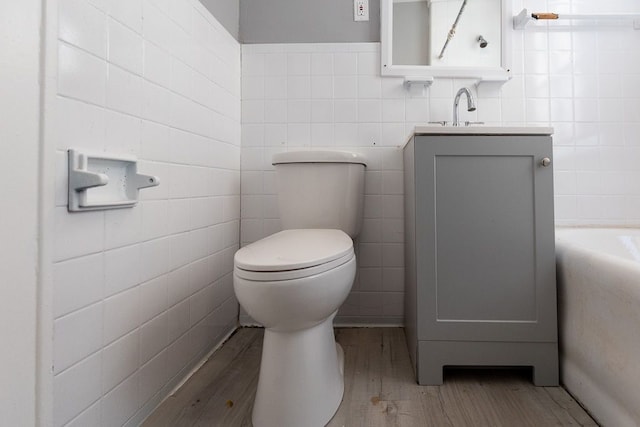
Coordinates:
(345,322)
(368,321)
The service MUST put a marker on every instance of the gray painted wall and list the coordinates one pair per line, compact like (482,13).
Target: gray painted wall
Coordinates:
(411,33)
(227,12)
(306,21)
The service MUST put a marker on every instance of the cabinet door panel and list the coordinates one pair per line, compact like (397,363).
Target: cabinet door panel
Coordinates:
(485,238)
(484,250)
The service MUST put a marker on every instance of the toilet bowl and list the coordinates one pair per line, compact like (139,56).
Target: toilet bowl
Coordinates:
(293,283)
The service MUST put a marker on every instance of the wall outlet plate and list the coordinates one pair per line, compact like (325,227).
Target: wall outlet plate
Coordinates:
(360,10)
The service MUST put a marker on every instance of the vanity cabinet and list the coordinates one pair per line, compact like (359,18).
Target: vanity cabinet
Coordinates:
(480,253)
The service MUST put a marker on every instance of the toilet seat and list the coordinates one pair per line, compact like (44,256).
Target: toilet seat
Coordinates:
(293,254)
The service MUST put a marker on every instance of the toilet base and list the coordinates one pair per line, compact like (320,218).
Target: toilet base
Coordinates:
(301,380)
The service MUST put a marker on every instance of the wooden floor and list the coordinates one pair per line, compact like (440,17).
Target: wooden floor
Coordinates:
(379,390)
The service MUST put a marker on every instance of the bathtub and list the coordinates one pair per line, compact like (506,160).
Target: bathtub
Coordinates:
(599,320)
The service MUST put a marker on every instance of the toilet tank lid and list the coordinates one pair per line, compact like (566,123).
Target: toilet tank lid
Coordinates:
(319,157)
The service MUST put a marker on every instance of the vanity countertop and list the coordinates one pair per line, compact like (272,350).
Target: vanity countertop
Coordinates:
(482,130)
(478,130)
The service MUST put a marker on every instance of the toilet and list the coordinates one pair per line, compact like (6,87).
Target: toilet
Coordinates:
(294,281)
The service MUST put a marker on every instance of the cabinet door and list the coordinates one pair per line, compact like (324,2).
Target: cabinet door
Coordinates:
(485,238)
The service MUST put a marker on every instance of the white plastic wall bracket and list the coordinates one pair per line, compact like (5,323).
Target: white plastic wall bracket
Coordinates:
(100,181)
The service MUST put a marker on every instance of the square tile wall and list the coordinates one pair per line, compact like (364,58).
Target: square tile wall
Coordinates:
(142,294)
(584,81)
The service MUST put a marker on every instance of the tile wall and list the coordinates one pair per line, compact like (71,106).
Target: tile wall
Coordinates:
(142,294)
(582,80)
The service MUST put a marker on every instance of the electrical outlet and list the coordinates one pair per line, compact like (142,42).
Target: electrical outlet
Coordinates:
(360,10)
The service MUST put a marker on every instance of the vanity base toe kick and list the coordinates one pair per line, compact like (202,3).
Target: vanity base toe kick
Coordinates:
(434,356)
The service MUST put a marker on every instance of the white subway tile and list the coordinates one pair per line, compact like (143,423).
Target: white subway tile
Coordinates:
(322,111)
(156,103)
(299,64)
(322,87)
(393,134)
(83,25)
(119,360)
(368,63)
(122,269)
(153,376)
(370,304)
(77,283)
(156,65)
(121,403)
(345,64)
(121,314)
(201,304)
(77,234)
(76,336)
(275,111)
(153,298)
(122,227)
(369,87)
(178,285)
(393,110)
(275,87)
(369,111)
(345,110)
(178,320)
(125,47)
(76,389)
(345,87)
(182,13)
(321,64)
(252,63)
(123,134)
(393,87)
(299,87)
(89,417)
(586,110)
(298,135)
(127,12)
(322,134)
(253,111)
(154,258)
(299,111)
(393,304)
(393,279)
(346,134)
(81,75)
(153,337)
(275,65)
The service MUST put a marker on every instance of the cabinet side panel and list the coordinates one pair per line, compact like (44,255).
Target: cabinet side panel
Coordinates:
(410,297)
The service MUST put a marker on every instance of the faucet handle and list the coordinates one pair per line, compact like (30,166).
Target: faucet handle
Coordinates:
(441,123)
(473,123)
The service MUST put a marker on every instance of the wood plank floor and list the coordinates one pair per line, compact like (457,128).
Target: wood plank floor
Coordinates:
(379,390)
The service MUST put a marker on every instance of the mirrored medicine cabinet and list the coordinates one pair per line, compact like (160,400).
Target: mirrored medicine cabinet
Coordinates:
(426,39)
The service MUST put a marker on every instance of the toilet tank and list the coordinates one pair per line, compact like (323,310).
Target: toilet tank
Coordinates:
(320,189)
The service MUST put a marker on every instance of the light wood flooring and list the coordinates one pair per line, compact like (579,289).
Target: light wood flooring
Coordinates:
(379,390)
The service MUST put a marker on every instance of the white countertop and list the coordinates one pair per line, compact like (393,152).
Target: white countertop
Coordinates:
(482,130)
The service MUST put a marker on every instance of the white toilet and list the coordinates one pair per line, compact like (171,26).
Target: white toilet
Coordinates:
(294,281)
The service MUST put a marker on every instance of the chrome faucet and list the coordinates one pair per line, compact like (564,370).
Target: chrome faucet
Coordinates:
(471,104)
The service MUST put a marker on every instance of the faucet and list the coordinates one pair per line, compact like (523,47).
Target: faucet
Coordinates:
(471,104)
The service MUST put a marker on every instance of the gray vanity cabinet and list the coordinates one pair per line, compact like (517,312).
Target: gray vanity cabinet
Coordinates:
(480,258)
